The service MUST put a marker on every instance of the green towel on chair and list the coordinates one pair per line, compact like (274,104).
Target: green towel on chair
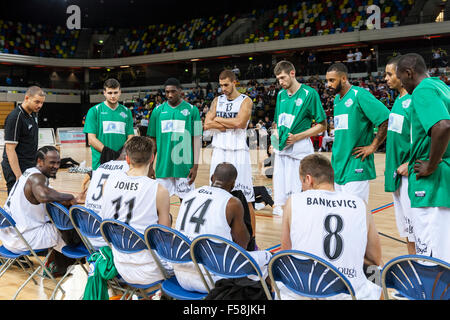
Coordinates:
(101,269)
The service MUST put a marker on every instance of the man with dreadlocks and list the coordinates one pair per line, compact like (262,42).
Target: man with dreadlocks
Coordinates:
(26,205)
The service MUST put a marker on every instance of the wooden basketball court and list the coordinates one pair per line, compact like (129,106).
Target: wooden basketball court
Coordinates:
(268,227)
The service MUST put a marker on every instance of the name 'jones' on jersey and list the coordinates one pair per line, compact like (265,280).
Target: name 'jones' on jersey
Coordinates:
(231,139)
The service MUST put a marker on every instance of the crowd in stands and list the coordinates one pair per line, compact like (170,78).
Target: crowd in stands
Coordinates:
(193,34)
(37,40)
(311,18)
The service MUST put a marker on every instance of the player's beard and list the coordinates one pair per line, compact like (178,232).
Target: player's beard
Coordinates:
(339,87)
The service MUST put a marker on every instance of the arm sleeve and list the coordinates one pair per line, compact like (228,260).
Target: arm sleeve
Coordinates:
(90,125)
(374,110)
(430,107)
(151,131)
(316,109)
(130,128)
(197,123)
(12,128)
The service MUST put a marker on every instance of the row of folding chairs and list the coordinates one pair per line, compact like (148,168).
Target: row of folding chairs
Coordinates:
(413,277)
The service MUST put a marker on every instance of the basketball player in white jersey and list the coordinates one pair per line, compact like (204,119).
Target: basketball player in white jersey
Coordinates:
(332,225)
(213,210)
(26,205)
(132,197)
(228,118)
(94,194)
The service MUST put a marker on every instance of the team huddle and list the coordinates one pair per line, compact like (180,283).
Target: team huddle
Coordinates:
(323,203)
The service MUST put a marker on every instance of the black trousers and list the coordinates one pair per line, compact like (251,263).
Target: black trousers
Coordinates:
(261,195)
(247,219)
(9,175)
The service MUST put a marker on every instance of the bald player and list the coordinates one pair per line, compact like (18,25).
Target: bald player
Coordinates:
(429,162)
(214,210)
(22,136)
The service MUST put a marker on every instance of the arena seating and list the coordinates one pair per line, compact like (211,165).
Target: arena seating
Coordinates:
(311,18)
(192,34)
(37,40)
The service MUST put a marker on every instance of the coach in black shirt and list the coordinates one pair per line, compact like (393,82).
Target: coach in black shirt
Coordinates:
(21,136)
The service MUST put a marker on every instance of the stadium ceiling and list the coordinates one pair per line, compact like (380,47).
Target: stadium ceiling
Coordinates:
(123,13)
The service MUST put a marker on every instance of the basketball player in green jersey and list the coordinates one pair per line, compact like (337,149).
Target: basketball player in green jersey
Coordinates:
(429,162)
(108,124)
(176,128)
(397,155)
(297,106)
(356,113)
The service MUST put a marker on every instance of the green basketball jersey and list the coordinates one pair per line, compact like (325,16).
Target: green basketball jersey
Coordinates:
(355,115)
(174,128)
(398,141)
(294,114)
(430,104)
(112,127)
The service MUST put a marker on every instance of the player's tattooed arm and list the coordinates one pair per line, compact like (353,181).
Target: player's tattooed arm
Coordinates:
(37,189)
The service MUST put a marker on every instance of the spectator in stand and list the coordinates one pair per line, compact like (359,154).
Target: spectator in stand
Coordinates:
(311,64)
(358,57)
(350,57)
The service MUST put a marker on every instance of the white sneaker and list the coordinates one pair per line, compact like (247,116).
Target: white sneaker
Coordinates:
(259,206)
(277,211)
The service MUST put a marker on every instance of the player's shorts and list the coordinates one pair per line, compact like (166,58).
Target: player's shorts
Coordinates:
(366,291)
(139,267)
(189,279)
(241,160)
(177,186)
(431,229)
(356,188)
(286,178)
(403,213)
(46,236)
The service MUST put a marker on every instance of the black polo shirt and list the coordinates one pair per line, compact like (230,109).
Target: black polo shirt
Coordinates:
(22,129)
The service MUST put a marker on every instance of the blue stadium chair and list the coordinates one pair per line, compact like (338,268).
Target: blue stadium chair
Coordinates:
(127,240)
(59,215)
(6,221)
(307,275)
(87,223)
(174,247)
(224,258)
(416,277)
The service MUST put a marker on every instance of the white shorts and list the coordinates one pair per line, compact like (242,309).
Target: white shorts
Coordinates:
(43,237)
(241,160)
(139,267)
(402,208)
(368,291)
(286,178)
(356,188)
(176,186)
(190,280)
(431,229)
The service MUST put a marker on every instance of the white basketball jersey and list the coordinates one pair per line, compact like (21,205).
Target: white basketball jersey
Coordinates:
(95,191)
(131,200)
(332,225)
(203,211)
(231,139)
(27,216)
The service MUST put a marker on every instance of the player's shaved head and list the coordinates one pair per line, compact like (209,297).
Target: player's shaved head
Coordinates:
(224,176)
(411,70)
(412,61)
